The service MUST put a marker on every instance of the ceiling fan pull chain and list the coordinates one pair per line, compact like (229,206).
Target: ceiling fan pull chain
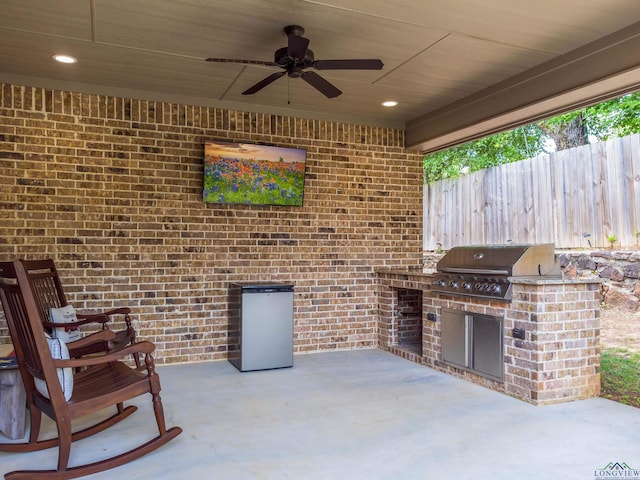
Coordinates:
(288,90)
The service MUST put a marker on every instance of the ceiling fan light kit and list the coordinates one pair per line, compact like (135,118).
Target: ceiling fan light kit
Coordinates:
(296,58)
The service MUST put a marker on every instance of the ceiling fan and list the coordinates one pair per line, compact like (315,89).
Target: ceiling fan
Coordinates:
(296,58)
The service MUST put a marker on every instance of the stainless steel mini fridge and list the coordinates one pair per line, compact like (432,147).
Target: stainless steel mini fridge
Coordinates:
(260,325)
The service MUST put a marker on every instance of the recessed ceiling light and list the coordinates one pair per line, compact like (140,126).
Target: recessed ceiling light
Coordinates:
(389,103)
(65,59)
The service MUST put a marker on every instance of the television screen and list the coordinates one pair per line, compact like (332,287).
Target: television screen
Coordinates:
(253,174)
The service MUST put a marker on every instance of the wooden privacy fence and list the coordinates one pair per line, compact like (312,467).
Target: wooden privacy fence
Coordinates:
(575,198)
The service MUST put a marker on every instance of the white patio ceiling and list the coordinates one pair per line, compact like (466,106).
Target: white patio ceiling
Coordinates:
(457,68)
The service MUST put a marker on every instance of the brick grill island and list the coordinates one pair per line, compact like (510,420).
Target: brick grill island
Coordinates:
(557,361)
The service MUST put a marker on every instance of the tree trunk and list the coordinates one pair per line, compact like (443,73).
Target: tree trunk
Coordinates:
(568,135)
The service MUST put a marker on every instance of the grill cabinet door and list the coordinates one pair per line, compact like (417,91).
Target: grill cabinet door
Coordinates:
(455,338)
(487,346)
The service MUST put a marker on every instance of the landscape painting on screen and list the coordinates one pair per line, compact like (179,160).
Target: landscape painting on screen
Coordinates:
(253,174)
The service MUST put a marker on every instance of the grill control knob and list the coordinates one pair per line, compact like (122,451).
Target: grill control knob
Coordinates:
(453,284)
(442,283)
(466,285)
(478,286)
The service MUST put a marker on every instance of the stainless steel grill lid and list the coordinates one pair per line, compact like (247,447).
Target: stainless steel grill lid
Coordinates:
(511,260)
(484,270)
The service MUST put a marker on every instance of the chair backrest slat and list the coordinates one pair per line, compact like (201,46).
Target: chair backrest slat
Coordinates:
(46,286)
(25,324)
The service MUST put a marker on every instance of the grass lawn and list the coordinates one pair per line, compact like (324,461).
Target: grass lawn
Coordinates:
(620,375)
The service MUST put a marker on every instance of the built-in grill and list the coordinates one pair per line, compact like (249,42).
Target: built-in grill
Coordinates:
(485,270)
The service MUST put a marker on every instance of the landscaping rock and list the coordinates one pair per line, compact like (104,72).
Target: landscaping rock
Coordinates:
(571,271)
(615,297)
(612,273)
(632,270)
(602,254)
(564,259)
(585,262)
(621,255)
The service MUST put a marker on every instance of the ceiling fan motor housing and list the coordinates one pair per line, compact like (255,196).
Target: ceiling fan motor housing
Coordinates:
(282,58)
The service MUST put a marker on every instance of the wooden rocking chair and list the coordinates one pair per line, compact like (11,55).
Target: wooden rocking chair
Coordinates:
(103,381)
(49,294)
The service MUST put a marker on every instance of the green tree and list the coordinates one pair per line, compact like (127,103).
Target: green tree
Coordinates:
(614,118)
(567,131)
(517,144)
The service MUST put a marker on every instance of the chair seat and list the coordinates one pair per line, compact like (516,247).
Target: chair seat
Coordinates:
(93,387)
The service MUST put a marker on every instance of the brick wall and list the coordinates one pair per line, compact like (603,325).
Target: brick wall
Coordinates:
(559,358)
(111,188)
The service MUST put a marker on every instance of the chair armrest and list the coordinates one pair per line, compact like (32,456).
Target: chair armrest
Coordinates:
(93,319)
(113,311)
(112,356)
(106,314)
(103,336)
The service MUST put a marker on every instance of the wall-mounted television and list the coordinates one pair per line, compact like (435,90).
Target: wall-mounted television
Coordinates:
(253,174)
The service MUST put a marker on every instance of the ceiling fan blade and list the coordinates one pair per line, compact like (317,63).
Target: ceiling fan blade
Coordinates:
(263,83)
(297,47)
(353,64)
(320,84)
(241,62)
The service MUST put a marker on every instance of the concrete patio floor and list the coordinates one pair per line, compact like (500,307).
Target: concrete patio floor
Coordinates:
(363,414)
